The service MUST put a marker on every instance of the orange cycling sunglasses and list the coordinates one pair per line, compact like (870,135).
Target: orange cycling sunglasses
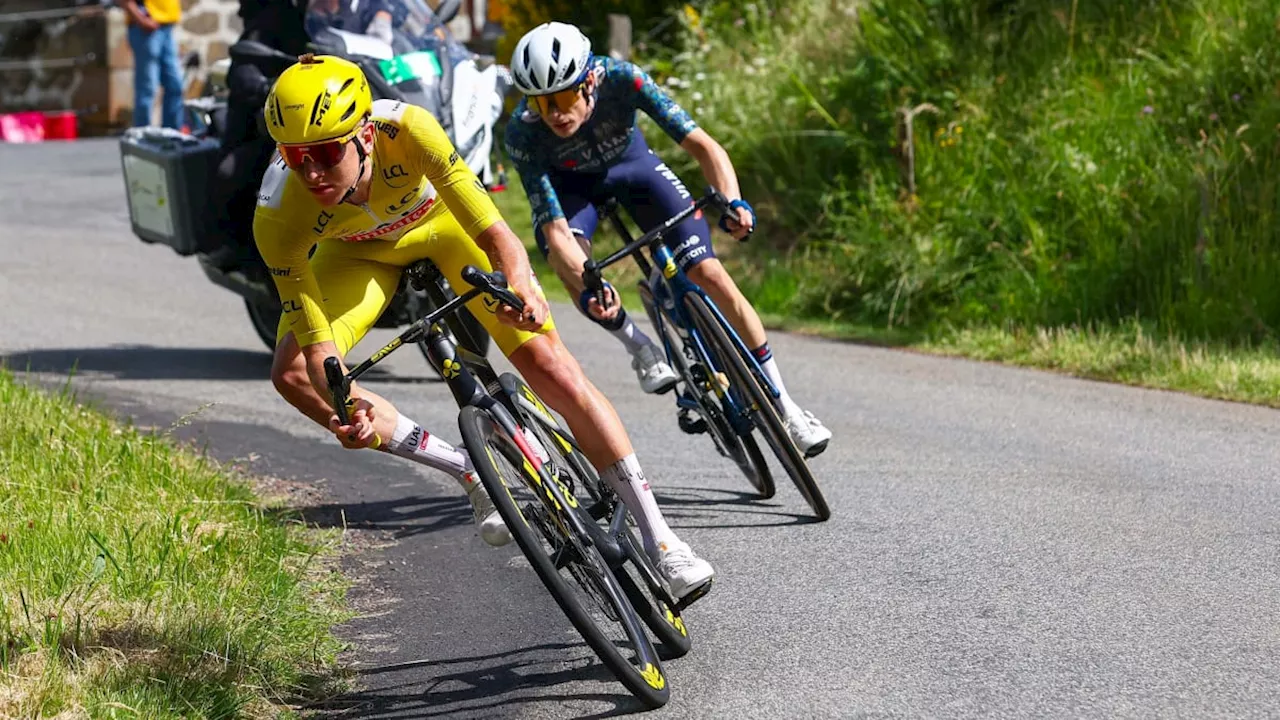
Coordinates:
(563,100)
(325,154)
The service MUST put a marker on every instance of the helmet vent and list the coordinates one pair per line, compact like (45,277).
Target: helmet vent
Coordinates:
(351,109)
(315,111)
(555,50)
(569,69)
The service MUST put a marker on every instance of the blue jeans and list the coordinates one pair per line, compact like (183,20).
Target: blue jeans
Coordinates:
(155,57)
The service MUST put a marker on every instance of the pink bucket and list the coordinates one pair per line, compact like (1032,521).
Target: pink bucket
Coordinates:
(23,127)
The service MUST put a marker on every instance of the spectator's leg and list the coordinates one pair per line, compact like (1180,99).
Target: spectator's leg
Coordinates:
(144,74)
(170,77)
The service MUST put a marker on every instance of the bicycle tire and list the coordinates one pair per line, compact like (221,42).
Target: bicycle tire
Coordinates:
(740,448)
(648,684)
(666,624)
(762,407)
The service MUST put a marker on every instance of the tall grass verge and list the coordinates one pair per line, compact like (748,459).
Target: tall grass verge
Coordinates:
(1068,162)
(140,580)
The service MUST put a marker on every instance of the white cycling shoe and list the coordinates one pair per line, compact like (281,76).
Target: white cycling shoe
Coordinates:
(683,571)
(808,432)
(655,375)
(490,524)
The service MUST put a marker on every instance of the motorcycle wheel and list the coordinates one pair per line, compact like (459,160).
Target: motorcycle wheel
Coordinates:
(265,319)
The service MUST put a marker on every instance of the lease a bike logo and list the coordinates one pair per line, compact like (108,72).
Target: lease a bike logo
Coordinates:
(387,228)
(387,129)
(395,176)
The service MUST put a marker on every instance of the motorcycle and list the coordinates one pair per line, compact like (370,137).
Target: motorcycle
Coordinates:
(168,173)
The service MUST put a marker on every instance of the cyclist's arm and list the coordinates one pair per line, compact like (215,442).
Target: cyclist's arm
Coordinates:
(469,202)
(563,252)
(285,255)
(676,122)
(714,161)
(433,154)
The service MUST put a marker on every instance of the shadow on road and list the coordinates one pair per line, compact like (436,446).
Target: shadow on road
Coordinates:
(149,362)
(403,516)
(683,504)
(505,681)
(145,362)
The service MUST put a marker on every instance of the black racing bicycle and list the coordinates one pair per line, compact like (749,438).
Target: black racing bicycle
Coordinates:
(571,526)
(721,378)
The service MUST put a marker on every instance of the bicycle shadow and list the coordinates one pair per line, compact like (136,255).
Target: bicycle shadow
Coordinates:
(403,517)
(481,691)
(682,504)
(151,362)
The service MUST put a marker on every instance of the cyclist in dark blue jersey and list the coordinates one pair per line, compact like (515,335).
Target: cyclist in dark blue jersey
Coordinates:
(575,142)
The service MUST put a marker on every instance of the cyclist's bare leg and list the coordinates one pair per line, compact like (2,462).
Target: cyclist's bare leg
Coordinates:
(554,374)
(711,276)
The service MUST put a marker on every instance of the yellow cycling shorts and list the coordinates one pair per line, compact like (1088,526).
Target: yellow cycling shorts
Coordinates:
(358,279)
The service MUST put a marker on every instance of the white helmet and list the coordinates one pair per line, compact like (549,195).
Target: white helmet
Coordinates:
(550,58)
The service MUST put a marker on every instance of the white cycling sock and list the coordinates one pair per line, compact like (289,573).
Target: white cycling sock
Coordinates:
(412,442)
(630,335)
(764,356)
(628,481)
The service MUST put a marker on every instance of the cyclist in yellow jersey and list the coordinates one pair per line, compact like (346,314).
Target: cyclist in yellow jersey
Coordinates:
(377,186)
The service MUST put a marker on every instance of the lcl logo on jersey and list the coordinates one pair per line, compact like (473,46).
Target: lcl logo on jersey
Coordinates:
(395,176)
(404,202)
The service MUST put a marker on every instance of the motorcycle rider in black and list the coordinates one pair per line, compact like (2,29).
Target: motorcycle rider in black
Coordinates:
(246,146)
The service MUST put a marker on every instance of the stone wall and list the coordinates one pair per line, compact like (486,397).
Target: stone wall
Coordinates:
(74,55)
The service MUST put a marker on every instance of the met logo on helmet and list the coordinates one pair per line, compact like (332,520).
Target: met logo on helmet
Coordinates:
(321,107)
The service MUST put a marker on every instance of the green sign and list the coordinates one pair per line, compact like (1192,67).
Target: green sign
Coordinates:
(412,66)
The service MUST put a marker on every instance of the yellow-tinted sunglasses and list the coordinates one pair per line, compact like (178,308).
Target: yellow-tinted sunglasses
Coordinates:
(563,100)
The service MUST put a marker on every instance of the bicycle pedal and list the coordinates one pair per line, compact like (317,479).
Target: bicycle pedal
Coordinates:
(693,597)
(692,426)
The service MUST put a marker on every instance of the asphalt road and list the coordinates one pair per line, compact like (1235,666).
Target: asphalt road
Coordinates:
(1005,543)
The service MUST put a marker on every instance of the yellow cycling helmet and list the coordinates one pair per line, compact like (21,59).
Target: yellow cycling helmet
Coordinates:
(321,98)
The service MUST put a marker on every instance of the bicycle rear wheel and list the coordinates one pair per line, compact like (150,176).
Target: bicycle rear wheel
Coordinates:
(572,570)
(758,403)
(740,448)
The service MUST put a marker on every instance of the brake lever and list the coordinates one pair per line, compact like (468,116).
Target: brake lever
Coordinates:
(493,283)
(594,282)
(339,386)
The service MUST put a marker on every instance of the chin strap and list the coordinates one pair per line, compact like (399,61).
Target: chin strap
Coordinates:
(359,175)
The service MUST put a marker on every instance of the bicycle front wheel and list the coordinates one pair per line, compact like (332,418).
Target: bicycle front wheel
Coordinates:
(758,403)
(570,567)
(647,594)
(741,449)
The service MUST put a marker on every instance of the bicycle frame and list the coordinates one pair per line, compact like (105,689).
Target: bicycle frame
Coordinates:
(473,381)
(677,285)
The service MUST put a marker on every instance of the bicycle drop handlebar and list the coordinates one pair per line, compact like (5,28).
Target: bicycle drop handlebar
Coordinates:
(493,284)
(591,269)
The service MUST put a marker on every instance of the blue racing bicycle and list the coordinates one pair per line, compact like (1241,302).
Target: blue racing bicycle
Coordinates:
(720,377)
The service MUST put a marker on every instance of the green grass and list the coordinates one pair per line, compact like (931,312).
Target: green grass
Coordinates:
(138,579)
(1074,161)
(1129,353)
